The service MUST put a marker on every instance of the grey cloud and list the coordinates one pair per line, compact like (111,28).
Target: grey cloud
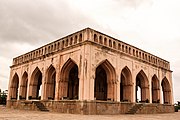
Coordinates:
(38,21)
(10,50)
(35,23)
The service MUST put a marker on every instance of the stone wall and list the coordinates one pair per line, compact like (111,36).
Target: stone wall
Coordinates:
(91,107)
(155,108)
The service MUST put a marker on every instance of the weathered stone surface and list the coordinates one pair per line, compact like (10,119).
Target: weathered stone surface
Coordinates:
(92,107)
(89,66)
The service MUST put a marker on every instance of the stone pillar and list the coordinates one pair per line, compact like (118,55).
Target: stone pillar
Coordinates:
(81,74)
(9,86)
(81,86)
(115,91)
(150,90)
(84,68)
(161,95)
(28,82)
(89,75)
(47,90)
(133,88)
(118,90)
(28,90)
(91,88)
(28,87)
(86,80)
(43,88)
(60,90)
(57,84)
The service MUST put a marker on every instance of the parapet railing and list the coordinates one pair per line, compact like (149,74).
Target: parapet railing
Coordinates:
(125,48)
(50,48)
(96,37)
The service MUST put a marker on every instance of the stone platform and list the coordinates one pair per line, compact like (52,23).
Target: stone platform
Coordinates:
(91,107)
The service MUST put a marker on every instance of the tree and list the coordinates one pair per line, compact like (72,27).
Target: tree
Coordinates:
(3,97)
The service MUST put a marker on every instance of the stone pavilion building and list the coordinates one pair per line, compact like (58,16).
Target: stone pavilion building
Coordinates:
(89,72)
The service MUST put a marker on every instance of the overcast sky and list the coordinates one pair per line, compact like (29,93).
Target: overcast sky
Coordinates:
(152,25)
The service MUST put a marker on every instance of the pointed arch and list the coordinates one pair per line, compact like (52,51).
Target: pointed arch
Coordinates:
(155,90)
(66,68)
(104,81)
(14,86)
(111,73)
(69,81)
(35,84)
(166,91)
(50,84)
(143,83)
(23,86)
(126,85)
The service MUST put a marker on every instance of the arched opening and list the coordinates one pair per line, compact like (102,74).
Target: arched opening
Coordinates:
(75,39)
(129,50)
(50,84)
(126,49)
(100,92)
(119,46)
(126,85)
(73,83)
(100,40)
(80,38)
(123,48)
(95,38)
(114,44)
(104,88)
(110,43)
(14,87)
(142,83)
(35,84)
(71,41)
(69,84)
(66,42)
(155,90)
(166,89)
(105,41)
(23,86)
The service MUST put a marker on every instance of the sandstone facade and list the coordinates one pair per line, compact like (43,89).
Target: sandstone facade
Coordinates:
(87,66)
